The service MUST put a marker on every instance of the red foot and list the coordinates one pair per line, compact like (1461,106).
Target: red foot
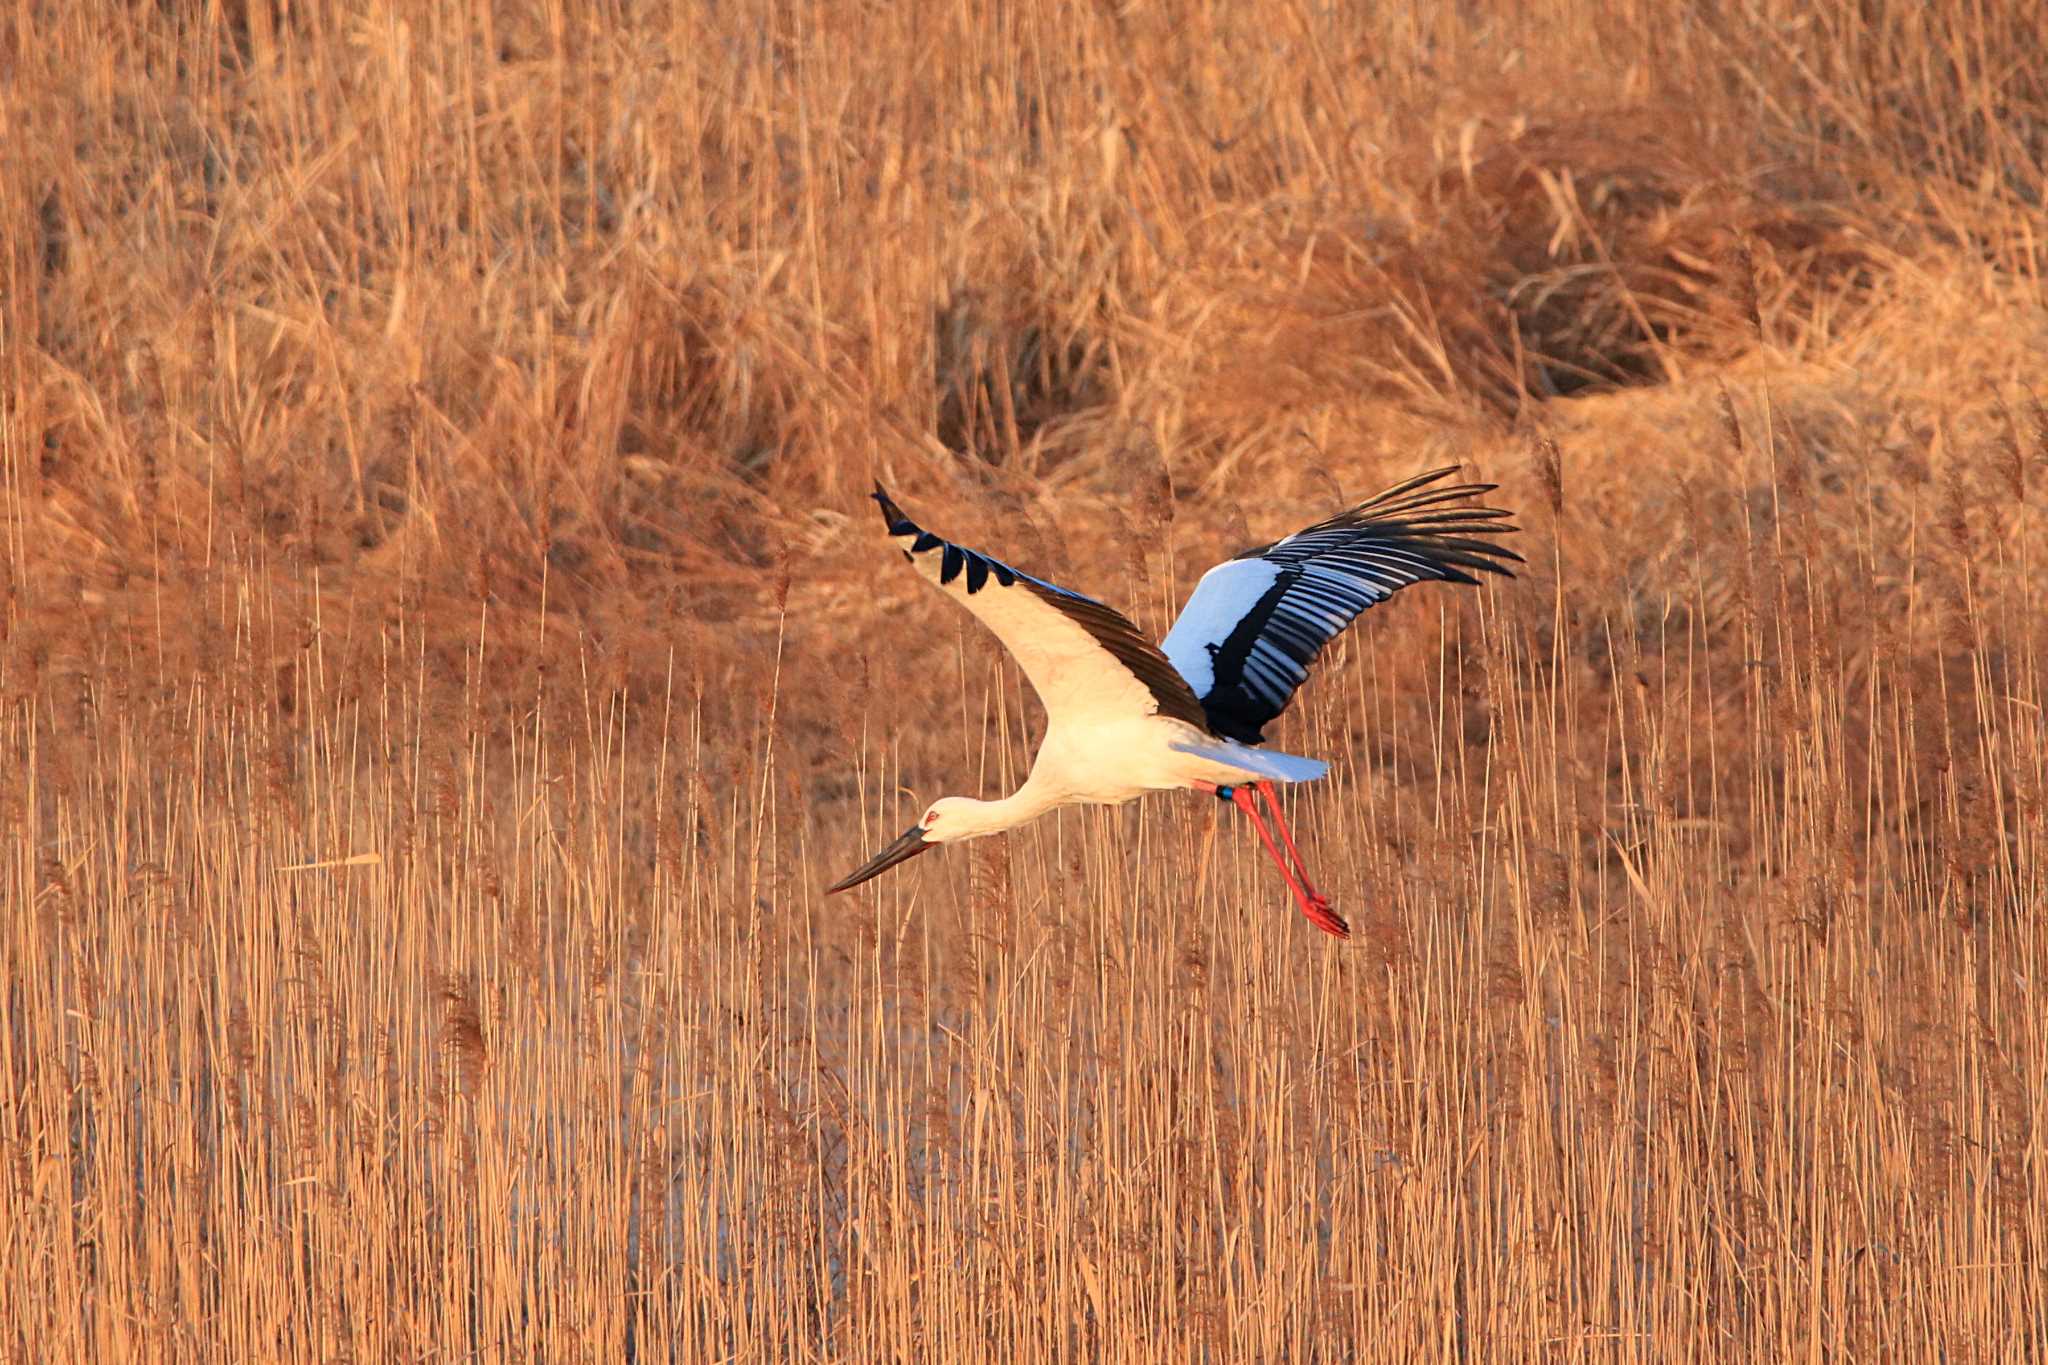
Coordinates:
(1317,908)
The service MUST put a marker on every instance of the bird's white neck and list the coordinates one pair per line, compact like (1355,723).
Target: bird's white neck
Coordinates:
(966,818)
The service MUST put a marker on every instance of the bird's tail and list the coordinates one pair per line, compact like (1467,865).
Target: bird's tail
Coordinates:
(1262,762)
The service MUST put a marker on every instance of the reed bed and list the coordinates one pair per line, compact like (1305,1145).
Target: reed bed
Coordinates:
(444,652)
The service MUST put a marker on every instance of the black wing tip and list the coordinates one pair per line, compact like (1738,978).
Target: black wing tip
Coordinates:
(898,523)
(1459,565)
(1461,569)
(1470,553)
(1415,510)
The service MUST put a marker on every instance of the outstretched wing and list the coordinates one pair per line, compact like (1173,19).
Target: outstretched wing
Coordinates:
(1080,655)
(1255,623)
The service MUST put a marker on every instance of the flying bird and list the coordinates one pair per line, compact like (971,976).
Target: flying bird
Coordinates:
(1125,716)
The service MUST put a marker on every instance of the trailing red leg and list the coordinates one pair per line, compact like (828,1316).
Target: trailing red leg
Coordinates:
(1287,838)
(1314,905)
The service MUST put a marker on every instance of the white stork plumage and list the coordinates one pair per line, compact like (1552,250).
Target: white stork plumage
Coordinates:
(1125,716)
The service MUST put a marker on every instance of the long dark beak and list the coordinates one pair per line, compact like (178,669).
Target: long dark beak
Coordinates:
(905,848)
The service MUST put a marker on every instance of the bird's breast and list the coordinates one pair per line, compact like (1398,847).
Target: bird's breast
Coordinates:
(1115,761)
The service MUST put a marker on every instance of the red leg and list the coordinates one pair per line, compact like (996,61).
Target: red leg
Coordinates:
(1280,823)
(1313,904)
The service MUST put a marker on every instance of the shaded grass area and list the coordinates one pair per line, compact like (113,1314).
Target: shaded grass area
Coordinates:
(445,651)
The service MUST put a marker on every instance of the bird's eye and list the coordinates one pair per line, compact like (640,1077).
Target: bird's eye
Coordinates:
(931,817)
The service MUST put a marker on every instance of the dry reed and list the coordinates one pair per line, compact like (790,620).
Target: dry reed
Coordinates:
(444,653)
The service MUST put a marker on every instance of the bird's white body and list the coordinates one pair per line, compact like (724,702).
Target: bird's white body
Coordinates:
(1110,759)
(1125,716)
(1107,759)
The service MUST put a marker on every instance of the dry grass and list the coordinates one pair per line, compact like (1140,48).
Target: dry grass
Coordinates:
(444,651)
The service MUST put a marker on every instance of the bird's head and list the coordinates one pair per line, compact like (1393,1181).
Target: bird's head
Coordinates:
(947,821)
(953,818)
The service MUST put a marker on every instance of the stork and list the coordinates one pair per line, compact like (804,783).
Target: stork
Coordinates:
(1125,716)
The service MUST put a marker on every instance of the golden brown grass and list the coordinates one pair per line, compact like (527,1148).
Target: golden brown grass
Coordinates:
(445,650)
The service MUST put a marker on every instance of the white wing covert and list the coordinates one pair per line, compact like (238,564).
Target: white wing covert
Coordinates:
(1081,655)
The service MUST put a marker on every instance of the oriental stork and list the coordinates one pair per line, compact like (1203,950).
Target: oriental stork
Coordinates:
(1125,716)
